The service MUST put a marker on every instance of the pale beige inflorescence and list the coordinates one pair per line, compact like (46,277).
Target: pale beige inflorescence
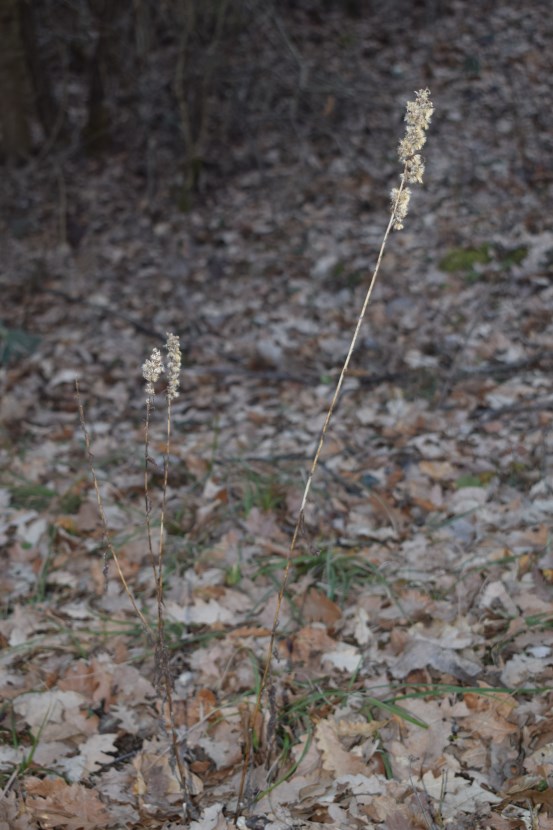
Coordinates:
(400,206)
(151,371)
(153,368)
(418,116)
(174,359)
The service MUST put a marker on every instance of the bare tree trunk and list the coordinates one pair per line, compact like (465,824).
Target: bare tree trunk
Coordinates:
(17,106)
(96,133)
(199,60)
(48,112)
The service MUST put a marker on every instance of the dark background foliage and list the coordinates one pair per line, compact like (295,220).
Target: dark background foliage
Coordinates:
(195,75)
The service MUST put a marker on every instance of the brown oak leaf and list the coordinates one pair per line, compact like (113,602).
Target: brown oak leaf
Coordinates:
(70,806)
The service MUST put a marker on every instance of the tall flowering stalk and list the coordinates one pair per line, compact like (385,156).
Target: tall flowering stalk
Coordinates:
(418,116)
(152,370)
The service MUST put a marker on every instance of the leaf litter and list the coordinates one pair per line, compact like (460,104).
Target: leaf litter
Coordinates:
(413,681)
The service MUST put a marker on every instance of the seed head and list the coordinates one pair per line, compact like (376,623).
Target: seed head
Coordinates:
(414,169)
(151,370)
(413,141)
(418,115)
(419,112)
(400,206)
(174,360)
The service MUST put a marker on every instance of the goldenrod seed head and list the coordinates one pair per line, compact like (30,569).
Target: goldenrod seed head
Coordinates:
(414,169)
(151,370)
(419,112)
(173,365)
(400,206)
(411,143)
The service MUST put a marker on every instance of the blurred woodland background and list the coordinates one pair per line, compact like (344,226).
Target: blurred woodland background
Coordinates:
(196,77)
(208,71)
(200,89)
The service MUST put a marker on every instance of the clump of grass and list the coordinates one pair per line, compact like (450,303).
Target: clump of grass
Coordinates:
(332,572)
(263,492)
(466,259)
(417,117)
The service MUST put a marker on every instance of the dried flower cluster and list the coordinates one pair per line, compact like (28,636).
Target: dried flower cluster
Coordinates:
(418,117)
(153,368)
(173,366)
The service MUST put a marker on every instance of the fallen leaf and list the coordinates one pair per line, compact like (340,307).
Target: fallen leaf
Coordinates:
(317,607)
(59,805)
(335,757)
(94,753)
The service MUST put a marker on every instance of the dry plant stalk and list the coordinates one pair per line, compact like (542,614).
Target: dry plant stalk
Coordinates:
(152,369)
(417,117)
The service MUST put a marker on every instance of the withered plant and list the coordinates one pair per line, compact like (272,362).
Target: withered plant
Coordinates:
(152,370)
(417,117)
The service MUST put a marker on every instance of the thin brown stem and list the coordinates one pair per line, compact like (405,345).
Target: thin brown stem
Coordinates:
(162,658)
(161,549)
(147,499)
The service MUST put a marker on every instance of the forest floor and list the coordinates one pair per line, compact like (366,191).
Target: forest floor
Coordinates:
(412,680)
